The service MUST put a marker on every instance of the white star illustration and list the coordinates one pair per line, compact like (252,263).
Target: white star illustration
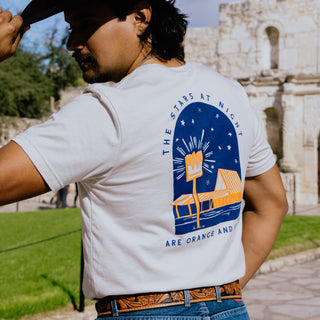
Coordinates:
(229,147)
(183,123)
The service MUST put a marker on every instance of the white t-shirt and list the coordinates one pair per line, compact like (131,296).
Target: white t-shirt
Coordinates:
(161,159)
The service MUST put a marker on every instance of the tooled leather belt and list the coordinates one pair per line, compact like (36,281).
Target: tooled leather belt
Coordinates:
(165,299)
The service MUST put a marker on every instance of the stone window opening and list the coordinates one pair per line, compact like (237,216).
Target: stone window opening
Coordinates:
(273,131)
(271,48)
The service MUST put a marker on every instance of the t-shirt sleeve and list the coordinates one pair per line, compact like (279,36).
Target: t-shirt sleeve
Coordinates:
(261,157)
(76,143)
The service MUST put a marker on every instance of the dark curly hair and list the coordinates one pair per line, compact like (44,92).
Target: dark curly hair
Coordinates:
(166,30)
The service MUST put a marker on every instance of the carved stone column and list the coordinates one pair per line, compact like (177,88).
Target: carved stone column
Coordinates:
(309,187)
(288,163)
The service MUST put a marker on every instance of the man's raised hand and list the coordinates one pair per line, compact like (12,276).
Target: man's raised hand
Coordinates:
(11,31)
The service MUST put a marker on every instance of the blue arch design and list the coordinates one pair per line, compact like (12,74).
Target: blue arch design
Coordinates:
(203,127)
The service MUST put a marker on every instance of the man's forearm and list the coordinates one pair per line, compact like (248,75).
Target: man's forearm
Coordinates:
(19,179)
(259,235)
(266,205)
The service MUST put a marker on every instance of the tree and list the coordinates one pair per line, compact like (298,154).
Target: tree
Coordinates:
(25,90)
(62,69)
(28,80)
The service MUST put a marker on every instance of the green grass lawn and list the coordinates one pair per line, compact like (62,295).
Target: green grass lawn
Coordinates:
(39,276)
(298,233)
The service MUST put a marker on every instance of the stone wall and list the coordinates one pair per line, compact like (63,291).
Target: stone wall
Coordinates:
(11,127)
(272,48)
(201,46)
(255,34)
(67,95)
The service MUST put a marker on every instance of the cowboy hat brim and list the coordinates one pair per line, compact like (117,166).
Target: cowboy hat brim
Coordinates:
(38,10)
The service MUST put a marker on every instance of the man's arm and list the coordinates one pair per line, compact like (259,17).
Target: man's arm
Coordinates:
(266,205)
(19,178)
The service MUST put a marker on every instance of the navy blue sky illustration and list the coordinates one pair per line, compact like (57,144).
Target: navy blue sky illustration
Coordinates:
(203,127)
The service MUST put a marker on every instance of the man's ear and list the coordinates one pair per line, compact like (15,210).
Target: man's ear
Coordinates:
(142,14)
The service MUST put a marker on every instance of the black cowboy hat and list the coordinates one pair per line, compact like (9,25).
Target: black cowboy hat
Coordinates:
(38,10)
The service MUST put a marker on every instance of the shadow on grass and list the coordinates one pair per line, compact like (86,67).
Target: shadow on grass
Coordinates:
(63,288)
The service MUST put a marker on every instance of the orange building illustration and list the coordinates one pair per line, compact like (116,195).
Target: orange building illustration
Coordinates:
(228,190)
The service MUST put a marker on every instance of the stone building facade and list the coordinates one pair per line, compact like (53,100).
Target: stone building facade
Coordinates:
(272,47)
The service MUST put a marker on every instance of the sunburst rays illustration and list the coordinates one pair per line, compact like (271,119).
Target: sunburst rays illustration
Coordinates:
(193,145)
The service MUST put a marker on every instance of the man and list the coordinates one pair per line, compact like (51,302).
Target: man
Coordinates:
(162,160)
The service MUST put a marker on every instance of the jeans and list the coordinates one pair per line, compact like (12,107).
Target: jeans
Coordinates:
(228,309)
